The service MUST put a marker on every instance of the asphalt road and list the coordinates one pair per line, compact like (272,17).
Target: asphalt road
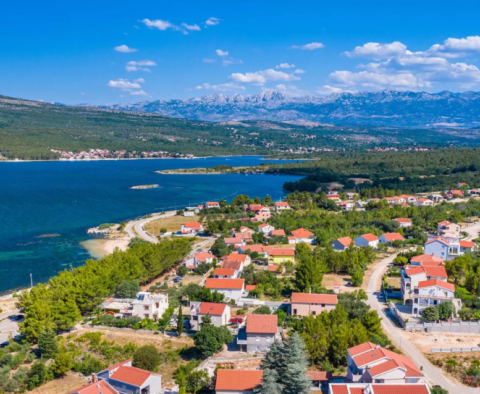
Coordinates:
(139,225)
(8,326)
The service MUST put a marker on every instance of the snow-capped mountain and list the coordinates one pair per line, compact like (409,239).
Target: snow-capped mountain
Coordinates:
(389,108)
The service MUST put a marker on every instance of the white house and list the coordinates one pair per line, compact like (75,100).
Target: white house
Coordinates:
(235,241)
(412,275)
(265,228)
(225,273)
(189,213)
(203,257)
(444,247)
(424,202)
(151,306)
(432,293)
(232,289)
(367,240)
(390,237)
(219,314)
(192,228)
(212,204)
(301,235)
(368,388)
(281,206)
(404,222)
(346,205)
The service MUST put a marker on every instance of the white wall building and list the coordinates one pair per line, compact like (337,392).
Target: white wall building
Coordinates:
(151,306)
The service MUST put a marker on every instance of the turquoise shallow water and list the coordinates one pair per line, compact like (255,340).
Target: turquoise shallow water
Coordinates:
(66,198)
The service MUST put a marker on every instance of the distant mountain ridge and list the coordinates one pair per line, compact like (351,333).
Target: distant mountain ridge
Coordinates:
(385,108)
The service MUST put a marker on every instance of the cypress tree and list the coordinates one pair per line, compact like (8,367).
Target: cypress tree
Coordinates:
(180,320)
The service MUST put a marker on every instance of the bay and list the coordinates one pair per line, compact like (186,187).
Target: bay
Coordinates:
(47,207)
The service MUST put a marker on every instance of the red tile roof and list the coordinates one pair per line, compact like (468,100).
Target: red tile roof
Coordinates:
(307,298)
(192,225)
(467,244)
(278,233)
(345,241)
(212,308)
(282,252)
(302,233)
(119,364)
(232,264)
(381,368)
(362,348)
(237,380)
(203,256)
(236,257)
(439,272)
(233,240)
(100,387)
(439,239)
(426,257)
(414,270)
(250,287)
(272,268)
(131,375)
(445,223)
(262,324)
(393,237)
(210,203)
(320,376)
(255,207)
(234,284)
(436,282)
(224,272)
(281,204)
(254,248)
(369,237)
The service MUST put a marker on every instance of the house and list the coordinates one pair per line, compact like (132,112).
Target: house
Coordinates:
(236,261)
(236,381)
(342,243)
(432,293)
(96,387)
(320,379)
(203,257)
(412,275)
(448,229)
(260,249)
(253,207)
(225,273)
(232,289)
(409,198)
(404,222)
(212,204)
(461,184)
(306,304)
(426,259)
(276,269)
(250,287)
(192,228)
(367,388)
(367,240)
(126,379)
(265,228)
(424,202)
(301,235)
(454,194)
(351,195)
(437,198)
(346,205)
(390,237)
(281,206)
(370,363)
(245,233)
(234,241)
(219,314)
(263,214)
(360,204)
(281,255)
(277,233)
(151,306)
(446,248)
(259,333)
(375,200)
(395,200)
(468,246)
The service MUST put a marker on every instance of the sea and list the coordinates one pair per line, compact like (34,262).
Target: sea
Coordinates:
(46,208)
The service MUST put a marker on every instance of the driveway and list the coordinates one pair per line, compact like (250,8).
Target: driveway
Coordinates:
(8,327)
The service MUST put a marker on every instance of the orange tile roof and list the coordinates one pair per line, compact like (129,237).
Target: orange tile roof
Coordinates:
(192,225)
(339,389)
(237,257)
(282,252)
(393,237)
(278,233)
(436,282)
(119,364)
(321,376)
(96,388)
(369,237)
(250,287)
(414,270)
(385,367)
(363,347)
(254,248)
(203,256)
(307,298)
(345,241)
(426,257)
(282,204)
(212,203)
(131,375)
(439,272)
(302,233)
(467,244)
(232,264)
(262,324)
(445,223)
(212,308)
(237,380)
(255,207)
(272,268)
(224,272)
(233,240)
(234,284)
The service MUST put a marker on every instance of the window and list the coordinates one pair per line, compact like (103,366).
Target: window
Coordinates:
(415,300)
(446,294)
(195,318)
(294,311)
(323,305)
(314,313)
(257,339)
(157,305)
(268,339)
(145,307)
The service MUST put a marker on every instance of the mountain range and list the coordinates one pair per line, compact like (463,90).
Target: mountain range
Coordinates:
(385,108)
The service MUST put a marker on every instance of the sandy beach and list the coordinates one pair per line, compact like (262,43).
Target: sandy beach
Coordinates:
(99,248)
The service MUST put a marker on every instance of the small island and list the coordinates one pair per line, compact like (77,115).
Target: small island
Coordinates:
(221,169)
(141,187)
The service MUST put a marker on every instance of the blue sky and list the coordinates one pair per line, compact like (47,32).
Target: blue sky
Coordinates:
(119,51)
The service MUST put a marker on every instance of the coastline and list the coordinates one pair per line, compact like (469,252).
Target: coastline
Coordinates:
(99,248)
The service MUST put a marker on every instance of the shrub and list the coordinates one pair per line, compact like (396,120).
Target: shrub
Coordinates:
(146,357)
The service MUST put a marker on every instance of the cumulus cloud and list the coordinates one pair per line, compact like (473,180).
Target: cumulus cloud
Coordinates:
(224,87)
(124,84)
(157,24)
(193,27)
(139,80)
(374,50)
(219,52)
(285,65)
(290,90)
(125,49)
(260,77)
(138,93)
(309,47)
(140,65)
(299,71)
(212,21)
(327,89)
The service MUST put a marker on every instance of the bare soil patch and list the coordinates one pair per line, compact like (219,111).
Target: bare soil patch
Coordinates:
(426,341)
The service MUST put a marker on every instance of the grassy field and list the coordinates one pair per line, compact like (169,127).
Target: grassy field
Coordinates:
(172,223)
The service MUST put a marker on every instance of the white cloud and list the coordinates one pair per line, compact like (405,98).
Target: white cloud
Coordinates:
(224,87)
(124,84)
(454,47)
(193,27)
(139,66)
(139,80)
(206,60)
(374,50)
(212,21)
(260,77)
(157,24)
(290,90)
(125,49)
(369,80)
(309,47)
(327,89)
(229,61)
(285,65)
(219,52)
(299,71)
(138,93)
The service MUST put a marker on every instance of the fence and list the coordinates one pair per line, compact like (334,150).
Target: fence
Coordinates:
(455,349)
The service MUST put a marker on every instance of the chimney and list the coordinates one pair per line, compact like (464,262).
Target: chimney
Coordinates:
(94,377)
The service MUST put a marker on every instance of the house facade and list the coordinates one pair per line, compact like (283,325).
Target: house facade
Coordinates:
(281,206)
(306,304)
(432,293)
(368,388)
(150,306)
(265,228)
(443,247)
(232,289)
(258,334)
(404,222)
(192,228)
(342,243)
(302,235)
(212,204)
(281,255)
(367,240)
(468,247)
(424,202)
(390,237)
(203,257)
(219,314)
(448,229)
(412,275)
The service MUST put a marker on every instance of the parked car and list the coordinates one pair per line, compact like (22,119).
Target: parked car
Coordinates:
(178,279)
(4,344)
(236,320)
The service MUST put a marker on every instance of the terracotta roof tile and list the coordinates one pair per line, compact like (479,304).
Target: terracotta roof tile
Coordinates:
(467,244)
(232,264)
(282,204)
(203,256)
(262,324)
(307,298)
(362,348)
(436,282)
(100,387)
(282,252)
(192,225)
(393,237)
(369,237)
(224,272)
(250,287)
(321,376)
(278,233)
(131,375)
(302,233)
(237,380)
(439,272)
(403,220)
(234,284)
(212,308)
(345,241)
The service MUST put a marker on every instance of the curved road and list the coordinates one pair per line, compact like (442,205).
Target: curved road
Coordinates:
(138,226)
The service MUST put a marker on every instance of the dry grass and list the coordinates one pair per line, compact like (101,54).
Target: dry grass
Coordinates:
(172,223)
(67,384)
(394,281)
(196,279)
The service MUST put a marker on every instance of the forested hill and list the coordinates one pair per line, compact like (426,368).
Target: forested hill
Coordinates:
(30,129)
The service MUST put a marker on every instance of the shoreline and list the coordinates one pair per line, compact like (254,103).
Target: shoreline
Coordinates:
(99,248)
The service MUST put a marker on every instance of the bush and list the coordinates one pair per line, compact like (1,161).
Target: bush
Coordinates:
(147,357)
(430,313)
(182,270)
(262,310)
(47,343)
(128,288)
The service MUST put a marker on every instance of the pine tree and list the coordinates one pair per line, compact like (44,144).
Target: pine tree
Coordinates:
(270,384)
(273,357)
(47,343)
(180,326)
(309,273)
(296,380)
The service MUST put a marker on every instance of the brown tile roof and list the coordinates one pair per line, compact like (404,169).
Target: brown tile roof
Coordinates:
(131,375)
(307,298)
(212,308)
(96,388)
(237,380)
(436,282)
(234,284)
(262,324)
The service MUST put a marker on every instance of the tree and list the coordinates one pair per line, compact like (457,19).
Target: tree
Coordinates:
(198,380)
(47,343)
(146,357)
(262,310)
(445,310)
(438,390)
(182,270)
(309,274)
(128,288)
(430,313)
(210,339)
(273,357)
(180,326)
(62,363)
(270,384)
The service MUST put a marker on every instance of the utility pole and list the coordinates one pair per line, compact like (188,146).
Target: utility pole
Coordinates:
(31,280)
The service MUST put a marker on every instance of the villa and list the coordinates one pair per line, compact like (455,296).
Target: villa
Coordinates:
(302,235)
(191,228)
(281,206)
(448,229)
(444,247)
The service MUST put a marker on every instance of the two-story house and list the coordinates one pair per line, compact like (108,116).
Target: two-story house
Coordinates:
(202,257)
(96,387)
(192,228)
(432,293)
(367,240)
(368,388)
(236,261)
(226,273)
(370,363)
(412,275)
(448,229)
(219,314)
(265,228)
(444,247)
(302,235)
(235,381)
(306,304)
(404,222)
(151,306)
(281,206)
(232,289)
(281,255)
(342,243)
(258,334)
(424,202)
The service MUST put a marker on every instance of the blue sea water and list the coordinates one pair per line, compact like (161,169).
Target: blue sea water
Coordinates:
(66,198)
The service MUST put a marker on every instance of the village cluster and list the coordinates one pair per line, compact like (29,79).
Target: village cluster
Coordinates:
(103,154)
